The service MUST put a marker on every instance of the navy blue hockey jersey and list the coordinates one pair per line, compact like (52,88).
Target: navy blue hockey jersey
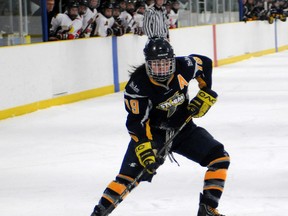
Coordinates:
(164,106)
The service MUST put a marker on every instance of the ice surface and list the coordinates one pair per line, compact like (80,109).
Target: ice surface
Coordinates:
(57,161)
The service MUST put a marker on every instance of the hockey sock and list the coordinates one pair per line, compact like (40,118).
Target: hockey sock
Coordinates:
(214,180)
(115,192)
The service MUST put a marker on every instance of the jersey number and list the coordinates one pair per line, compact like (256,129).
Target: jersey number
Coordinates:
(132,105)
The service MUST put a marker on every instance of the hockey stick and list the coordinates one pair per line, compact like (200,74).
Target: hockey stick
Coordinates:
(132,19)
(90,21)
(165,149)
(161,154)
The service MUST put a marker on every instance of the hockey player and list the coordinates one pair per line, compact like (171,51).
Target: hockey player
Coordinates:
(277,11)
(248,6)
(157,102)
(138,18)
(118,28)
(93,5)
(88,17)
(104,20)
(125,16)
(174,14)
(66,25)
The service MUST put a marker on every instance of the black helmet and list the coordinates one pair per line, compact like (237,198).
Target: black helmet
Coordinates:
(160,60)
(72,4)
(104,6)
(84,3)
(139,4)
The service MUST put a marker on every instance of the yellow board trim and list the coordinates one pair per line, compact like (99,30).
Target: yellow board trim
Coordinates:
(28,108)
(122,85)
(234,59)
(244,57)
(282,48)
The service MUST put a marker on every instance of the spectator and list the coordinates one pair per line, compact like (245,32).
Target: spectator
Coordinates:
(50,12)
(130,7)
(122,4)
(138,18)
(264,10)
(259,11)
(118,28)
(88,17)
(248,6)
(168,7)
(156,21)
(117,12)
(49,7)
(277,11)
(174,14)
(66,25)
(104,20)
(125,16)
(93,6)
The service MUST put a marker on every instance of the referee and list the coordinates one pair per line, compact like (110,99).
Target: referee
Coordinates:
(155,23)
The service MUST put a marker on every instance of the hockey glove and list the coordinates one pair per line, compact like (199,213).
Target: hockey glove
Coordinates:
(200,104)
(128,29)
(109,32)
(62,36)
(146,157)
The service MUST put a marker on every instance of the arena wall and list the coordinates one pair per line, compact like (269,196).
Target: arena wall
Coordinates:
(41,75)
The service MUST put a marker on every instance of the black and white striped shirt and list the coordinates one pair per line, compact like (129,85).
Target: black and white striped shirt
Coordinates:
(155,22)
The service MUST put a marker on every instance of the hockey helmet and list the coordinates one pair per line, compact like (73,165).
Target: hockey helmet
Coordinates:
(84,3)
(160,59)
(72,4)
(130,6)
(140,7)
(116,10)
(73,9)
(107,9)
(139,4)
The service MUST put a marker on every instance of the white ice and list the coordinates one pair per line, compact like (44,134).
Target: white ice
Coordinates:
(58,161)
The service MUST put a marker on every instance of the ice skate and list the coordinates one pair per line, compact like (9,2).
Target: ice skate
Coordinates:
(98,210)
(206,210)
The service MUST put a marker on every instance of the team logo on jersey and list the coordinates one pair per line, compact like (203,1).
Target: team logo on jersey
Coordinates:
(134,87)
(170,105)
(188,60)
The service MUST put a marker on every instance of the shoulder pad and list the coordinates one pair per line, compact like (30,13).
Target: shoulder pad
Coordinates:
(188,61)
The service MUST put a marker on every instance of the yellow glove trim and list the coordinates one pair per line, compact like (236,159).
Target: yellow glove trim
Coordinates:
(142,150)
(206,98)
